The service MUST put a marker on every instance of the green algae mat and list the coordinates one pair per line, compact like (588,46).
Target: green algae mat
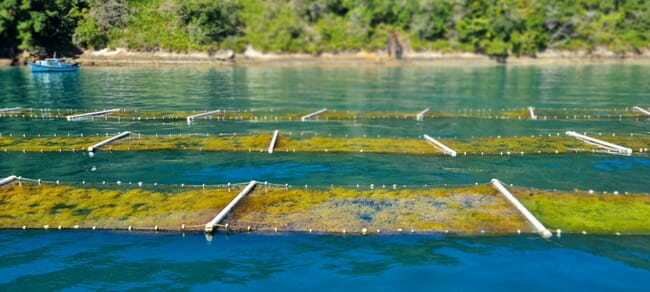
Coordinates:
(476,209)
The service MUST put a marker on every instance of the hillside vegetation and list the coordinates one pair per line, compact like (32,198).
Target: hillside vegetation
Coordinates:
(494,27)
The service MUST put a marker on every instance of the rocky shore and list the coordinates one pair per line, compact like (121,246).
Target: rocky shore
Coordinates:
(123,57)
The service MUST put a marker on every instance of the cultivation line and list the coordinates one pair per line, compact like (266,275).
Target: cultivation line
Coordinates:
(309,116)
(98,113)
(209,227)
(273,141)
(444,148)
(420,116)
(529,216)
(192,117)
(600,143)
(109,140)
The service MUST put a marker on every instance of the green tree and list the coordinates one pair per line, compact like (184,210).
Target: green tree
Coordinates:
(210,21)
(96,23)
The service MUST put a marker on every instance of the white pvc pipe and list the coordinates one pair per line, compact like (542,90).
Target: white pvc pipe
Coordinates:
(420,116)
(74,117)
(109,140)
(209,227)
(3,110)
(444,147)
(192,117)
(601,143)
(273,141)
(309,116)
(529,216)
(641,110)
(7,180)
(531,110)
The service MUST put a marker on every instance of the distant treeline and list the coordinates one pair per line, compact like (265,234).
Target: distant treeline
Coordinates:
(494,27)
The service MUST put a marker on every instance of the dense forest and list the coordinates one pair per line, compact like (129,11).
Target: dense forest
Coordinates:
(494,27)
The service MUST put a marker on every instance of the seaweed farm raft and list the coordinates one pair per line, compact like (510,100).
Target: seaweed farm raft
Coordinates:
(462,210)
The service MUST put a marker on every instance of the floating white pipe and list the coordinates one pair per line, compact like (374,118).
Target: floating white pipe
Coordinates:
(7,180)
(74,117)
(273,141)
(601,143)
(309,116)
(209,227)
(420,116)
(444,148)
(192,117)
(647,113)
(531,110)
(529,216)
(4,110)
(109,140)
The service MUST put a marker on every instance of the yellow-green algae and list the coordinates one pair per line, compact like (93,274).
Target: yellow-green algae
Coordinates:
(468,210)
(288,143)
(33,205)
(583,211)
(462,210)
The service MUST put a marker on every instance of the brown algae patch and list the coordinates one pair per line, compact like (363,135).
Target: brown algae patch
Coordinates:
(33,205)
(583,211)
(461,210)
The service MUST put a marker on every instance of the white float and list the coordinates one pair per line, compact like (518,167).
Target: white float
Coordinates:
(311,115)
(109,140)
(531,111)
(637,108)
(610,147)
(209,227)
(420,115)
(437,143)
(529,216)
(98,113)
(273,141)
(7,110)
(192,117)
(7,180)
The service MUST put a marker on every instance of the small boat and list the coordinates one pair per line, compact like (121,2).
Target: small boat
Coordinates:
(53,65)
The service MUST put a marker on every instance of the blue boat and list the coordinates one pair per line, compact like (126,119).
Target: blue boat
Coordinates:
(53,65)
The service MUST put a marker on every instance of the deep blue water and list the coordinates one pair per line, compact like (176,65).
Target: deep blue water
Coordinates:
(38,260)
(81,260)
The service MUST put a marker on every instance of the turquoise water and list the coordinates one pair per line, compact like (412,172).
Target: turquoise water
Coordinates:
(79,260)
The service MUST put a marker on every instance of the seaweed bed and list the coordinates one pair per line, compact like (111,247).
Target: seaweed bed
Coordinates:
(515,145)
(475,209)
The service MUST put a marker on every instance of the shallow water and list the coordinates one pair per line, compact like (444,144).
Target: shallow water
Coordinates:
(80,260)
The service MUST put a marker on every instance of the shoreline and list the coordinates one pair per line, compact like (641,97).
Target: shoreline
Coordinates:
(251,57)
